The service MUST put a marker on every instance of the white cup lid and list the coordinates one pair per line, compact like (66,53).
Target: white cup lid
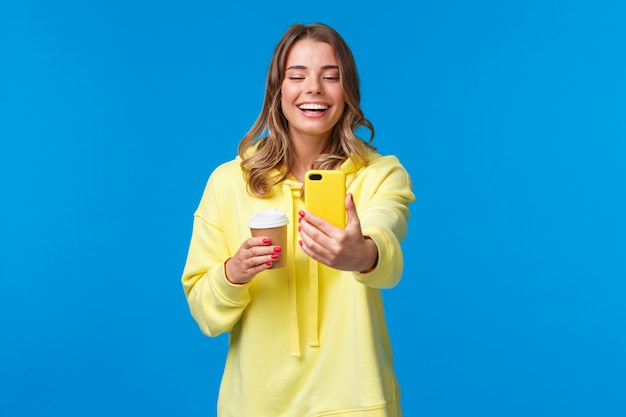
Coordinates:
(268,219)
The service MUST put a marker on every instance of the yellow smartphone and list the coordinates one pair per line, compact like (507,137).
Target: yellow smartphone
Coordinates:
(325,195)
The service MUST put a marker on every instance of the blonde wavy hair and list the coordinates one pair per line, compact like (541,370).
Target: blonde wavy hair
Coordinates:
(273,150)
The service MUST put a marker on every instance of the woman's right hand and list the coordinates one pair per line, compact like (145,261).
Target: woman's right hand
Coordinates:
(255,255)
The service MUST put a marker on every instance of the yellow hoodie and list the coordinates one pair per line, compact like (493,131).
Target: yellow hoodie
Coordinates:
(306,339)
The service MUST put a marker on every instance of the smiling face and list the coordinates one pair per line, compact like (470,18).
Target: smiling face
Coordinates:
(312,98)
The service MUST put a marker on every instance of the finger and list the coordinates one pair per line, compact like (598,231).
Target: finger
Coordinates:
(256,241)
(312,236)
(314,249)
(261,264)
(246,269)
(350,207)
(317,222)
(315,243)
(257,246)
(311,218)
(353,218)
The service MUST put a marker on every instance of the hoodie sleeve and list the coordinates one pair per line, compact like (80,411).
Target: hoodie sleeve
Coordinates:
(215,303)
(384,193)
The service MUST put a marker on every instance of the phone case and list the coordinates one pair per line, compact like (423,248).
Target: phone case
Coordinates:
(325,195)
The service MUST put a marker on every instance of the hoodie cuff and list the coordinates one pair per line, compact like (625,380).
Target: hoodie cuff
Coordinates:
(230,290)
(375,263)
(378,238)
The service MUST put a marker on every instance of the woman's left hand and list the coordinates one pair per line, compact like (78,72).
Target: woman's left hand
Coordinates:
(344,249)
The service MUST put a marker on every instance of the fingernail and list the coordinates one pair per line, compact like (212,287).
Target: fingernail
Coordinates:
(301,213)
(277,249)
(268,263)
(266,240)
(274,256)
(299,228)
(300,242)
(299,219)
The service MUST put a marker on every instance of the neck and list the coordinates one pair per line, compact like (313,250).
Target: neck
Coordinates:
(305,152)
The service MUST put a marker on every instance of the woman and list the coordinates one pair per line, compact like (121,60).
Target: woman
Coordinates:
(308,339)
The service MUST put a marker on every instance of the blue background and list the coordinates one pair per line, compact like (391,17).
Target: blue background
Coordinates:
(509,116)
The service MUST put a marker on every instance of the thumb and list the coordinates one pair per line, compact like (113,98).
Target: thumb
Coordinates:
(351,210)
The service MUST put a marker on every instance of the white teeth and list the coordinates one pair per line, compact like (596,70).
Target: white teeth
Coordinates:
(312,106)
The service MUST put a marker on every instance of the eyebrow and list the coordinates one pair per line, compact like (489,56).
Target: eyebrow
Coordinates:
(300,67)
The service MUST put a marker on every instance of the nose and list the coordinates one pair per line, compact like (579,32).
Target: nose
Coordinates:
(313,86)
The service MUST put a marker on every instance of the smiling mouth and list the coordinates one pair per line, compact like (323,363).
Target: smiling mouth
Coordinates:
(313,107)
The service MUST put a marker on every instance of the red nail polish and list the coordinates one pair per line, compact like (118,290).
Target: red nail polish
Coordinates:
(268,263)
(299,228)
(301,213)
(277,249)
(300,242)
(266,240)
(274,256)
